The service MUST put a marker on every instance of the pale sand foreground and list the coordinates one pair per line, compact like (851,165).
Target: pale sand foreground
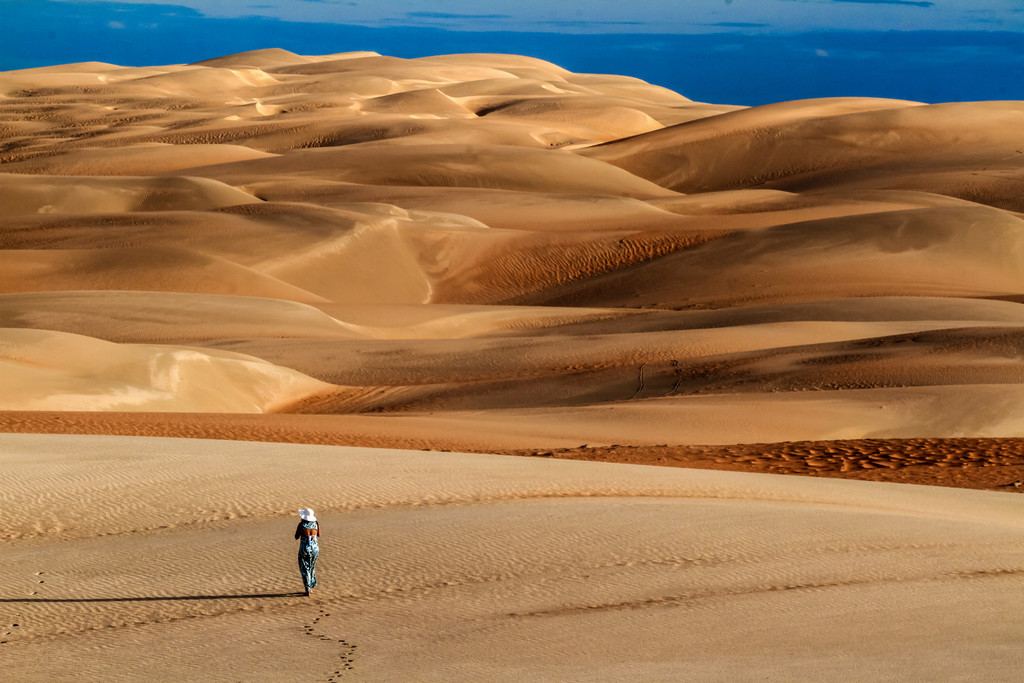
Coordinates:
(171,559)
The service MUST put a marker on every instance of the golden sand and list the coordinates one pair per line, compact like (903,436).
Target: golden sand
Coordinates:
(490,253)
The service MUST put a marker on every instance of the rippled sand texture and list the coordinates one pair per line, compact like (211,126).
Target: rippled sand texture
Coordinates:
(489,251)
(172,559)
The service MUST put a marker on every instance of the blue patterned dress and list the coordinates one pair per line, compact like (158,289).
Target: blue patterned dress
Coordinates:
(308,534)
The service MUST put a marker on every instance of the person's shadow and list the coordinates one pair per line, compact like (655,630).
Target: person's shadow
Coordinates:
(161,598)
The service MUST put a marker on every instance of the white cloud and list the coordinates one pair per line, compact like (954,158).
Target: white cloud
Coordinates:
(115,25)
(821,53)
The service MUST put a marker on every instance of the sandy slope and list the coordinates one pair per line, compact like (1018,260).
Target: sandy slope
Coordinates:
(981,463)
(490,252)
(971,150)
(27,195)
(476,243)
(465,567)
(46,370)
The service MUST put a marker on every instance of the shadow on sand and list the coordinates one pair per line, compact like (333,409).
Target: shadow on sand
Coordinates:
(161,598)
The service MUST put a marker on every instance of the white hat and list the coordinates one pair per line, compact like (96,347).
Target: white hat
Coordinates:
(307,514)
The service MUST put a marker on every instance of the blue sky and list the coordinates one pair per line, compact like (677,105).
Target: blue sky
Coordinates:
(742,51)
(618,16)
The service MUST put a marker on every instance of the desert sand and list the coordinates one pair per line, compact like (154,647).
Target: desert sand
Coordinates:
(492,254)
(507,250)
(172,559)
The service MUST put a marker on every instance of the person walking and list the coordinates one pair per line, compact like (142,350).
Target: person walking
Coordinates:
(308,534)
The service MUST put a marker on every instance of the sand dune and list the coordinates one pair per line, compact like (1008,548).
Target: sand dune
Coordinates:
(46,370)
(711,419)
(157,269)
(492,253)
(433,568)
(509,168)
(798,146)
(155,317)
(134,160)
(495,245)
(257,59)
(152,317)
(22,194)
(913,252)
